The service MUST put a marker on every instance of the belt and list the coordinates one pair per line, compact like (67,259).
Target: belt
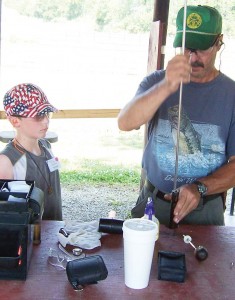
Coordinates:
(150,187)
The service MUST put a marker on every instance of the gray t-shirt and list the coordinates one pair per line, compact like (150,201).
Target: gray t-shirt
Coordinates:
(35,168)
(207,131)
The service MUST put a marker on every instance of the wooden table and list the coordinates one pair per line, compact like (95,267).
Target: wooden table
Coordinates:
(213,278)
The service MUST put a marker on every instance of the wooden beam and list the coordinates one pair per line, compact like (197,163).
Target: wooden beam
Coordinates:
(2,115)
(80,113)
(86,113)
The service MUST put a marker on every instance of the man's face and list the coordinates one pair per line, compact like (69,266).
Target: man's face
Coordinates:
(203,63)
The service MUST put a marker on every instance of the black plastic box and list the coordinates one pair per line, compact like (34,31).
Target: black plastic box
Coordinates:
(33,204)
(15,245)
(16,228)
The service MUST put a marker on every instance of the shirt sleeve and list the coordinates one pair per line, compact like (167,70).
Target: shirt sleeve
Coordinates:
(150,81)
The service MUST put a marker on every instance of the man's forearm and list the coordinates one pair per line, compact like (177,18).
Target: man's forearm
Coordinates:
(222,179)
(142,108)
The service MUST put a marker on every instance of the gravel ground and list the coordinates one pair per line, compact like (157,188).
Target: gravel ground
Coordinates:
(92,202)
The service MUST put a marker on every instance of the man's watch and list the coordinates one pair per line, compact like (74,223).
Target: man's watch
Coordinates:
(202,188)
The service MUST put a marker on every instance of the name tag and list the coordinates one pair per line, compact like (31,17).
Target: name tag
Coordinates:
(53,164)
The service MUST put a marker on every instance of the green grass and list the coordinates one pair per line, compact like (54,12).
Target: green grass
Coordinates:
(125,140)
(97,172)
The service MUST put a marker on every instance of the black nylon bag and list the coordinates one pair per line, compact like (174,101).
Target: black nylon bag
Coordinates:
(171,266)
(87,270)
(110,225)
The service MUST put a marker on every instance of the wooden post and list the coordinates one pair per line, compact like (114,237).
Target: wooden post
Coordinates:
(156,55)
(0,34)
(161,12)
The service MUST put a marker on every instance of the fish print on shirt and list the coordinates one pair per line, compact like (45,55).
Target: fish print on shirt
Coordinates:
(189,138)
(201,149)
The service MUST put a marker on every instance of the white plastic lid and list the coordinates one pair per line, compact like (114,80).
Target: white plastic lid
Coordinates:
(140,227)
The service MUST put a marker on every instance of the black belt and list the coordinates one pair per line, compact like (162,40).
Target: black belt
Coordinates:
(150,187)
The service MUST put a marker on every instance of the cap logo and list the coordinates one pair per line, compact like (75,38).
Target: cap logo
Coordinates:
(194,21)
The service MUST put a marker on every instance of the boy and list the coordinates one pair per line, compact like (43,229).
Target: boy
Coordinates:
(28,156)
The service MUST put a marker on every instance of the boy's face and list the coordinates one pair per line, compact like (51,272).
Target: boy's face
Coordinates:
(35,127)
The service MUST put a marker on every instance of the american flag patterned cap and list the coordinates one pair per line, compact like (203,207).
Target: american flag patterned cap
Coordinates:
(26,100)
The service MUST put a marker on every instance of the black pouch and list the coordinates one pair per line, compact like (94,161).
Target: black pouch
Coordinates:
(85,271)
(171,266)
(110,225)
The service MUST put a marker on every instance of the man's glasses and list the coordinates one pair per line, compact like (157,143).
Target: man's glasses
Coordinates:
(206,51)
(199,52)
(37,118)
(58,259)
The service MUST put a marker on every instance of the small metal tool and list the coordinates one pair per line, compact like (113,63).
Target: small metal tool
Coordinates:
(200,252)
(77,251)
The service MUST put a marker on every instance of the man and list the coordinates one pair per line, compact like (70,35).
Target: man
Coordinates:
(28,156)
(206,156)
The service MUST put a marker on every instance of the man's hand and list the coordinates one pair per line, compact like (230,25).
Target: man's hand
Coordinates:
(188,200)
(178,70)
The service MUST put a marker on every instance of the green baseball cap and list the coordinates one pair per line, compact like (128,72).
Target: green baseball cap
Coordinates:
(203,25)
